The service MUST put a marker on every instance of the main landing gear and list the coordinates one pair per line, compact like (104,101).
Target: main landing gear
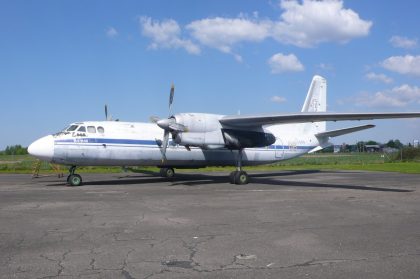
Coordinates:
(74,179)
(167,172)
(239,176)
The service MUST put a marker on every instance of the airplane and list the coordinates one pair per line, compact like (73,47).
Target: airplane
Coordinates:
(202,139)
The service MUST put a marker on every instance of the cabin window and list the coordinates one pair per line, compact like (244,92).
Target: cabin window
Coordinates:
(91,129)
(72,128)
(101,130)
(82,129)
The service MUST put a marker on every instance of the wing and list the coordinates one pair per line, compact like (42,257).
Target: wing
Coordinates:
(260,120)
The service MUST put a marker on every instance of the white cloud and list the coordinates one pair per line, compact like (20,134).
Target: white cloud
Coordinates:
(400,96)
(111,32)
(326,67)
(378,77)
(278,99)
(312,22)
(403,42)
(280,63)
(408,65)
(224,33)
(166,34)
(302,23)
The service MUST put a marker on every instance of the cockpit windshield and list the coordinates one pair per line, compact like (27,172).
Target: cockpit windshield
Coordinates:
(72,128)
(67,130)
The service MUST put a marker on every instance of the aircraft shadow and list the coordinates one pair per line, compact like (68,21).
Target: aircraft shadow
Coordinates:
(336,186)
(266,179)
(192,180)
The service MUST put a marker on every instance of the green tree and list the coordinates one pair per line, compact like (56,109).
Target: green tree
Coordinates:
(394,144)
(361,146)
(398,144)
(15,150)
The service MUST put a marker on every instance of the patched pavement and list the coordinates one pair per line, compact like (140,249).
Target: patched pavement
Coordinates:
(304,224)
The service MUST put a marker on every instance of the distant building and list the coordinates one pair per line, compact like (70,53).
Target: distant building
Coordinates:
(373,148)
(416,143)
(337,148)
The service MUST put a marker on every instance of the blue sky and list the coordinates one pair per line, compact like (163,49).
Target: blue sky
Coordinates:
(61,61)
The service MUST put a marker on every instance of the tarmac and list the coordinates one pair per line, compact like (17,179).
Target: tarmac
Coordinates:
(303,224)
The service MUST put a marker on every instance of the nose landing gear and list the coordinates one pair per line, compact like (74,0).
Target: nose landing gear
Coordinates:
(74,179)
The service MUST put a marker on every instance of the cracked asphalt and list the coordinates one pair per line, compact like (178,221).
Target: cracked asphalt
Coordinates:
(304,224)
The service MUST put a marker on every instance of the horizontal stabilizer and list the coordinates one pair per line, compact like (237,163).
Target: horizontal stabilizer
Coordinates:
(318,148)
(340,132)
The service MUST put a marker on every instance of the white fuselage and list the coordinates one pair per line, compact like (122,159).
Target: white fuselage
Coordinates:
(111,143)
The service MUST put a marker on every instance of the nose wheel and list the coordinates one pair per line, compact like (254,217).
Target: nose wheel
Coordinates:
(74,179)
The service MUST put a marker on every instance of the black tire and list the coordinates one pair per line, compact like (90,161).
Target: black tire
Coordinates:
(167,172)
(170,173)
(75,180)
(232,176)
(241,178)
(162,172)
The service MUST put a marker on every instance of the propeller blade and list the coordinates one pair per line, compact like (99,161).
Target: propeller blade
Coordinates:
(164,144)
(106,112)
(171,98)
(177,127)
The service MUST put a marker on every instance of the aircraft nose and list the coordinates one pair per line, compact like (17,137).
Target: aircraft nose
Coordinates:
(42,148)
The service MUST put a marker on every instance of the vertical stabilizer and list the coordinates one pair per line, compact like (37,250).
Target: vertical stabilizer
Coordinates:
(316,101)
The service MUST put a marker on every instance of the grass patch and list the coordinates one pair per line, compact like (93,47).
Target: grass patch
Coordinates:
(340,161)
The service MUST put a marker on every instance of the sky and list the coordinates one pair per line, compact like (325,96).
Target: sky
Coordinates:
(62,61)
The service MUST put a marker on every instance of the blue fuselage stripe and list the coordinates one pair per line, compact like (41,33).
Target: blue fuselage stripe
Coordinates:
(131,142)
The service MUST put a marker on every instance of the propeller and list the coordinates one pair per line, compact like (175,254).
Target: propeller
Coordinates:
(168,125)
(171,98)
(108,118)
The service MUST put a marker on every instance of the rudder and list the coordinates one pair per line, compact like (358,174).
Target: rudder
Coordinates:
(316,101)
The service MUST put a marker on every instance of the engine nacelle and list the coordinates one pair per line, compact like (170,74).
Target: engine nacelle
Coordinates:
(199,122)
(205,131)
(207,140)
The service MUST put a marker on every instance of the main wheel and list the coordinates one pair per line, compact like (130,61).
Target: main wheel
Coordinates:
(232,176)
(241,178)
(75,180)
(167,172)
